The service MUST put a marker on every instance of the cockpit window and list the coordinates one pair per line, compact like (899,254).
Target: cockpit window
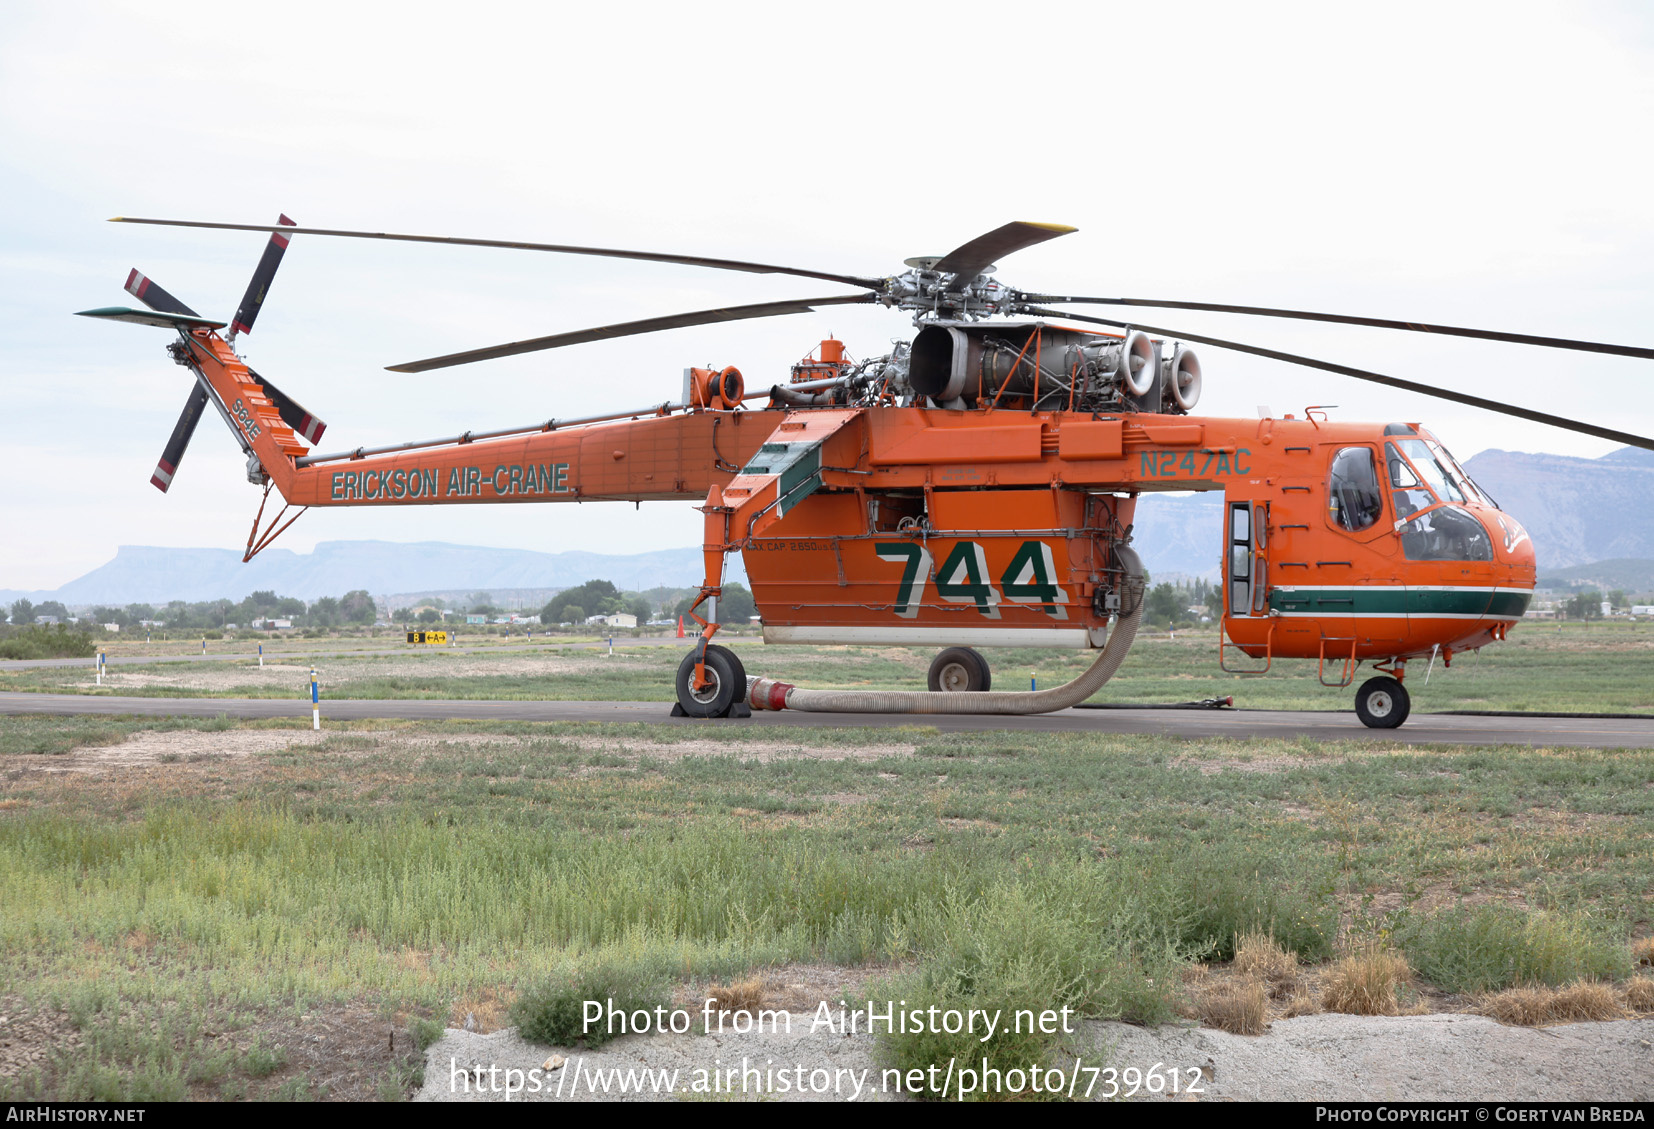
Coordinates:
(1434,473)
(1406,491)
(1446,534)
(1353,498)
(1460,478)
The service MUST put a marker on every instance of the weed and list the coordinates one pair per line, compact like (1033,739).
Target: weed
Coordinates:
(261,1061)
(1365,983)
(1237,1006)
(1639,993)
(555,1012)
(1493,947)
(1257,955)
(1536,1006)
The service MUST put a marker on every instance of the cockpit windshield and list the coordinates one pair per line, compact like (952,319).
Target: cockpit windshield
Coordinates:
(1423,457)
(1460,478)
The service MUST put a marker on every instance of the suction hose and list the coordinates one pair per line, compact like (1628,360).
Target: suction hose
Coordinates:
(765,694)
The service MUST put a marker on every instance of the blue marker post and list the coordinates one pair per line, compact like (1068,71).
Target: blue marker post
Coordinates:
(1033,681)
(611,646)
(101,658)
(315,702)
(261,656)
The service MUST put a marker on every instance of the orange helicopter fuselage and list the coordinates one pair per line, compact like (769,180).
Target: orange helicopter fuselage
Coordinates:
(993,525)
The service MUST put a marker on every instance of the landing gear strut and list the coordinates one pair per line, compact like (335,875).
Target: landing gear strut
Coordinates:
(960,669)
(1382,703)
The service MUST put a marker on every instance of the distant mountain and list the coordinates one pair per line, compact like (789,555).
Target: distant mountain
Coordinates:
(1576,510)
(152,575)
(1632,576)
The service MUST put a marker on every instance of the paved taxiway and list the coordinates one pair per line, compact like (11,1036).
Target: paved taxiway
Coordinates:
(1421,728)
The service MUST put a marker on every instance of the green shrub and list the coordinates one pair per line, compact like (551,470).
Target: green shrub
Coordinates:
(54,642)
(1075,941)
(1226,897)
(554,1012)
(425,1031)
(1492,947)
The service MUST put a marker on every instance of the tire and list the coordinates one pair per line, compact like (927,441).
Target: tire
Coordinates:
(736,666)
(715,700)
(1382,703)
(959,670)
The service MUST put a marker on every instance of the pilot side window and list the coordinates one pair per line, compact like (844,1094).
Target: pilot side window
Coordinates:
(1353,498)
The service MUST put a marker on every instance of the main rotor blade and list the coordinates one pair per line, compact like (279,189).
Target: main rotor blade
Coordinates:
(1346,319)
(1563,422)
(561,248)
(628,328)
(971,259)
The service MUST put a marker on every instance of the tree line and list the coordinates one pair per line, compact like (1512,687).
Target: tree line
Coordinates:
(353,608)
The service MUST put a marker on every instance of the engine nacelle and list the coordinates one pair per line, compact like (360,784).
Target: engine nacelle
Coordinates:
(957,366)
(1180,376)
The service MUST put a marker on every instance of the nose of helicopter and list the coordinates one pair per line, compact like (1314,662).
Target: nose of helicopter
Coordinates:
(1512,545)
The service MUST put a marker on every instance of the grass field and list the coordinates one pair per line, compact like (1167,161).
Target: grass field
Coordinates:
(1543,667)
(218,910)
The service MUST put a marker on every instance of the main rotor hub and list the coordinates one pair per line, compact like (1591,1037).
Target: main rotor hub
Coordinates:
(933,294)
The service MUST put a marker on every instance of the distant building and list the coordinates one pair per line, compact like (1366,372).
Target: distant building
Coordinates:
(529,620)
(46,620)
(1642,609)
(622,619)
(476,620)
(115,627)
(268,624)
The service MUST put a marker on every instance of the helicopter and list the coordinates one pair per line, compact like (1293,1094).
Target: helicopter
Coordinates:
(974,487)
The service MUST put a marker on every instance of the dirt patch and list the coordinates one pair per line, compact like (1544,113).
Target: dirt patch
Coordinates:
(30,1039)
(763,753)
(213,677)
(1211,766)
(337,1052)
(162,747)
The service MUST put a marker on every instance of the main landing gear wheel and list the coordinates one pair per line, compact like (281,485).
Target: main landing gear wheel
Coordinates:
(960,669)
(726,686)
(1382,703)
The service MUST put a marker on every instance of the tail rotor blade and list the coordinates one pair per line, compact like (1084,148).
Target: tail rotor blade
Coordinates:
(153,296)
(293,413)
(180,440)
(247,312)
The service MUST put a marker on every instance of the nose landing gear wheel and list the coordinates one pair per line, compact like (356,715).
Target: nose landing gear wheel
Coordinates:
(1382,703)
(960,669)
(725,693)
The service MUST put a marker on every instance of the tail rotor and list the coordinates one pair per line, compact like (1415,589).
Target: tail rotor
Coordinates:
(293,414)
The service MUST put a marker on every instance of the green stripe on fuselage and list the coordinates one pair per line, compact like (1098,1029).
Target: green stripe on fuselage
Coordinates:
(1376,601)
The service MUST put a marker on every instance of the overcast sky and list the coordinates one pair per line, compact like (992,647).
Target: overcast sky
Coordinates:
(1473,164)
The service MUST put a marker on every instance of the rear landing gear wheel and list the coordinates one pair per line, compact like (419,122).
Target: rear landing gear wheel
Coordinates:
(726,683)
(960,669)
(1382,703)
